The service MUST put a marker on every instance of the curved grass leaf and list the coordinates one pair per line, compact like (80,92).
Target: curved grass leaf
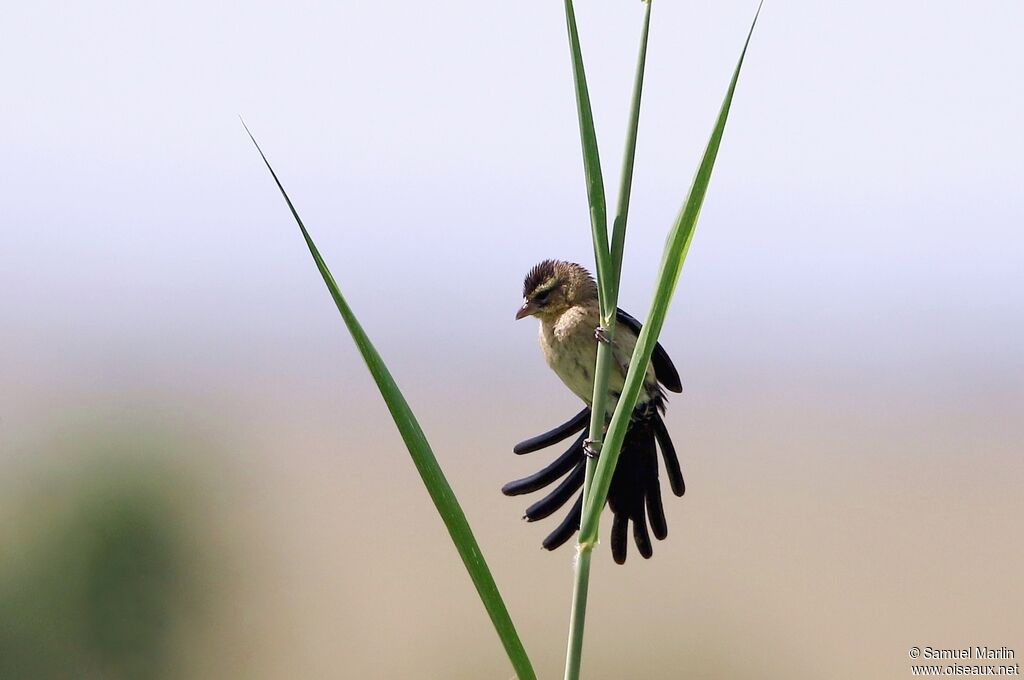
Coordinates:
(591,166)
(626,178)
(423,457)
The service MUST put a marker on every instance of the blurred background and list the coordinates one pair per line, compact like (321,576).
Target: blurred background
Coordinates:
(198,478)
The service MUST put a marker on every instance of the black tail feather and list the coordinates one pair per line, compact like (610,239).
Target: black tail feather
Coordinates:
(620,523)
(557,498)
(640,535)
(542,441)
(635,472)
(668,452)
(569,526)
(635,492)
(655,508)
(547,475)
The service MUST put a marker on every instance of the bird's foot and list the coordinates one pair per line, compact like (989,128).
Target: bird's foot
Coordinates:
(591,448)
(601,333)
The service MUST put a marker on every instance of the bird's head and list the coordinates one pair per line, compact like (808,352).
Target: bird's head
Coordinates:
(553,286)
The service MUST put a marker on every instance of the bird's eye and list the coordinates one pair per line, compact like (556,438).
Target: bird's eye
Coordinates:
(542,297)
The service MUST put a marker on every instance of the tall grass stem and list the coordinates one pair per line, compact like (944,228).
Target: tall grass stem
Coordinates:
(598,479)
(676,249)
(608,293)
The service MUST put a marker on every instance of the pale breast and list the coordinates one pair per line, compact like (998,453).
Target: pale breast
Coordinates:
(570,349)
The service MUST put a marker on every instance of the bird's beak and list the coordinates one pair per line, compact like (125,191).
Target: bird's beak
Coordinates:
(528,308)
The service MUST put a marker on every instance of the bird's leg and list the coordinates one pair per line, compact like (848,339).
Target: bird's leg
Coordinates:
(601,333)
(592,447)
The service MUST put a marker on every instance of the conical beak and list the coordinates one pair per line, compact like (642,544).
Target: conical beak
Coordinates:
(528,308)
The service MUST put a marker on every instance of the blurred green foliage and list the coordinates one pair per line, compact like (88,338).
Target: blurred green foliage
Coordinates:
(96,581)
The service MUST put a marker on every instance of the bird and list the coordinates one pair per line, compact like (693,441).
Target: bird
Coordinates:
(563,297)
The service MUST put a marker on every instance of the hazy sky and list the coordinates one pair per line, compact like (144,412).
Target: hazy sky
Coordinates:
(866,206)
(849,325)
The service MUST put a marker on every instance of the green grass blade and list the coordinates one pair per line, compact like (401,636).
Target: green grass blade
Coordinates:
(626,180)
(423,458)
(609,300)
(672,262)
(591,165)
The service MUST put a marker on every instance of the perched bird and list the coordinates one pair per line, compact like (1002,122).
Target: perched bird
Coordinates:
(563,296)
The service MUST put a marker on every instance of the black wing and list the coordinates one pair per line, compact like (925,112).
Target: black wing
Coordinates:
(664,370)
